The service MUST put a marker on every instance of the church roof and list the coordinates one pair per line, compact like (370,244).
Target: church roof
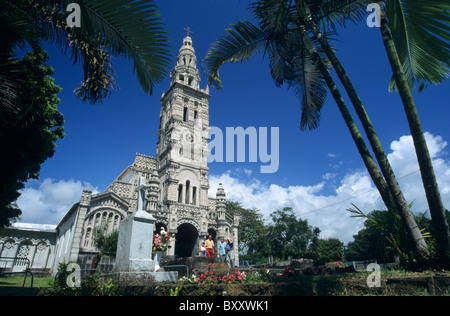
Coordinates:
(34,227)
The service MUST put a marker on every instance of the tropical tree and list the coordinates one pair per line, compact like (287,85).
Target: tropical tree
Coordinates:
(296,60)
(416,38)
(289,237)
(419,62)
(131,29)
(105,243)
(252,230)
(308,11)
(382,237)
(326,250)
(28,137)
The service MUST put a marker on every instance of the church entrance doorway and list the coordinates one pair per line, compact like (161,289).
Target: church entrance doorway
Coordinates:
(186,241)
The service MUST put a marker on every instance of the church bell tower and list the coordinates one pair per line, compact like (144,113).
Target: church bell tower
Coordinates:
(182,147)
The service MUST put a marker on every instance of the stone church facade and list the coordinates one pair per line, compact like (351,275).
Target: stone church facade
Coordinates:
(177,177)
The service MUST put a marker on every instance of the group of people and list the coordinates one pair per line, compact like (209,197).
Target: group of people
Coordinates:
(225,250)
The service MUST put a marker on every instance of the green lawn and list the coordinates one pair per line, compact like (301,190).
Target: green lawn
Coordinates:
(13,285)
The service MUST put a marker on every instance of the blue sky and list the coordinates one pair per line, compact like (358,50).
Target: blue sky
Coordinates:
(320,172)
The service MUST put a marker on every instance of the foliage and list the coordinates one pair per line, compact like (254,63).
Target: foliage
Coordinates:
(382,237)
(252,230)
(28,136)
(326,250)
(106,242)
(421,33)
(132,29)
(336,264)
(276,36)
(282,238)
(58,286)
(218,273)
(289,237)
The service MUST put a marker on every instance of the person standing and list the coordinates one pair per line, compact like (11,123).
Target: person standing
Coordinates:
(209,244)
(202,250)
(222,251)
(229,251)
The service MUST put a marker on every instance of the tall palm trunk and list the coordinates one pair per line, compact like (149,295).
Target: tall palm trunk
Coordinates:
(397,195)
(437,210)
(369,162)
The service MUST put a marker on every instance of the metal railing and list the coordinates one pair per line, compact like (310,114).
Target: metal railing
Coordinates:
(16,262)
(177,266)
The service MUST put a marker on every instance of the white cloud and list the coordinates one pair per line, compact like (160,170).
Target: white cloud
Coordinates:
(329,176)
(48,201)
(329,212)
(404,162)
(323,211)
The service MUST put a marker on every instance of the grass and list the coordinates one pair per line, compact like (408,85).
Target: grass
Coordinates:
(394,283)
(12,286)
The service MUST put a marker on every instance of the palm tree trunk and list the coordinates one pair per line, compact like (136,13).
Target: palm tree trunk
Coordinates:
(437,210)
(400,201)
(95,261)
(369,162)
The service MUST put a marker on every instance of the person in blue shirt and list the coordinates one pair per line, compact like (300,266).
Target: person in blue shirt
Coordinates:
(222,251)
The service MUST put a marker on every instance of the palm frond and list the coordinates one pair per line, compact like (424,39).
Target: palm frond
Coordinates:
(291,63)
(421,33)
(133,29)
(274,16)
(240,42)
(328,13)
(311,90)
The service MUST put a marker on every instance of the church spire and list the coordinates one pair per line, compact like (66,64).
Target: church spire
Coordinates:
(186,71)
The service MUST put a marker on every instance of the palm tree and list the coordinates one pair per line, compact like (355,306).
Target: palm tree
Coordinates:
(308,13)
(305,72)
(419,61)
(404,27)
(132,29)
(283,37)
(105,243)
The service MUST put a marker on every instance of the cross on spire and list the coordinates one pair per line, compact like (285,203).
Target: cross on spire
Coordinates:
(188,30)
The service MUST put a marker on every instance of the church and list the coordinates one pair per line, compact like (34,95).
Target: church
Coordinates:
(177,194)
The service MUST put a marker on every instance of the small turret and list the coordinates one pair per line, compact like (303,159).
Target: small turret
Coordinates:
(153,195)
(220,202)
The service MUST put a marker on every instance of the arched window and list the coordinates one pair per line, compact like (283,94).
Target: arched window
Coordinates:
(87,237)
(194,195)
(185,114)
(180,193)
(188,183)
